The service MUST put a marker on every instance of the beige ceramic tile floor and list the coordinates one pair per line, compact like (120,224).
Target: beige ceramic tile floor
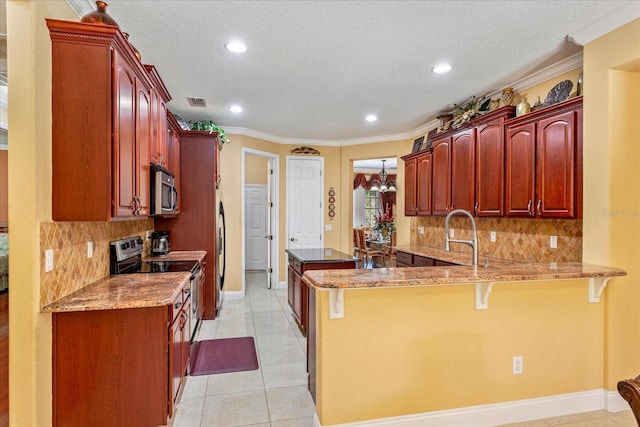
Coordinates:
(276,394)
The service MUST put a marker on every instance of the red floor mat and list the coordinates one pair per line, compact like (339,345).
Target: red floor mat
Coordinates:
(224,355)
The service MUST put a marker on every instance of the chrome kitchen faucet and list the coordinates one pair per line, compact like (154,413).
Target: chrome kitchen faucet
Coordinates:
(473,242)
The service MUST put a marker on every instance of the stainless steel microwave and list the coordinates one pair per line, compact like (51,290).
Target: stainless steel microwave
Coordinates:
(164,196)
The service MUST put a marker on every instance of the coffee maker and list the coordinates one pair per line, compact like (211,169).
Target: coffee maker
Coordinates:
(160,244)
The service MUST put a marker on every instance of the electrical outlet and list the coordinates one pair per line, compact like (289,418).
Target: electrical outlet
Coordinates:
(553,242)
(493,236)
(48,260)
(452,233)
(421,230)
(327,227)
(517,365)
(148,234)
(89,249)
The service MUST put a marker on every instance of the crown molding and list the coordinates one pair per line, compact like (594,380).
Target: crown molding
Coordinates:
(568,64)
(607,23)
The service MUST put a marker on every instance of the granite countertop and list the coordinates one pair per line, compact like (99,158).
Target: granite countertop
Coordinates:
(320,255)
(124,291)
(130,290)
(179,256)
(453,275)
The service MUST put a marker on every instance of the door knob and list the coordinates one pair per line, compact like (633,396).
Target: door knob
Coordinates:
(293,239)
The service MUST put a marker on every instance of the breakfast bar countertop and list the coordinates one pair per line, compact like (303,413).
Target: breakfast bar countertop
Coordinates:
(124,291)
(496,270)
(320,255)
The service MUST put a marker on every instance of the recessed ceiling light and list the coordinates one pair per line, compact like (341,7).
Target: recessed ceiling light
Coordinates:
(235,109)
(441,68)
(371,118)
(236,46)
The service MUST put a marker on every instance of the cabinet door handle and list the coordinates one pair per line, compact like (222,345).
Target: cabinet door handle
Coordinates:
(539,207)
(529,206)
(475,208)
(177,305)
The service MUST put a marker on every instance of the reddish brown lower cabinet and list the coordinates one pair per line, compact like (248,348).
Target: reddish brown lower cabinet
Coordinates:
(119,367)
(301,260)
(406,259)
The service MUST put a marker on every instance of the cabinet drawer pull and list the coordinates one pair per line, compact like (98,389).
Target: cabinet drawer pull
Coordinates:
(529,205)
(475,208)
(539,207)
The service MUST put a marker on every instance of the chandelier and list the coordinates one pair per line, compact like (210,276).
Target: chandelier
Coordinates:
(383,185)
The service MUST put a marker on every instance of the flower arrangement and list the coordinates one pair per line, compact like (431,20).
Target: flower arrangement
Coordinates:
(211,127)
(384,222)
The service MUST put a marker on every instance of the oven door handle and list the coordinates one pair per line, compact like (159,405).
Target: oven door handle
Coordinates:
(174,198)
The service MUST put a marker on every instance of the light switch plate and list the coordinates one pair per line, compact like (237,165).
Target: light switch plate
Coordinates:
(452,233)
(89,249)
(48,260)
(327,227)
(553,242)
(493,236)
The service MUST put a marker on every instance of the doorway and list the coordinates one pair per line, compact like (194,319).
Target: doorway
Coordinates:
(260,170)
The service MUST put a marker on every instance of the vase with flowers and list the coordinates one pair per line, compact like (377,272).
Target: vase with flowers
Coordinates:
(384,223)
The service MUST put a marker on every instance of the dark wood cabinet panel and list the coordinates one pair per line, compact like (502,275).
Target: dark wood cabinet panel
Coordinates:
(159,150)
(490,168)
(298,292)
(173,150)
(556,166)
(423,184)
(111,367)
(196,229)
(520,170)
(406,259)
(103,119)
(410,187)
(544,163)
(463,170)
(441,177)
(417,178)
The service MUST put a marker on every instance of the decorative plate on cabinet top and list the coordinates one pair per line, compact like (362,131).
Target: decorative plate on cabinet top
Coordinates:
(558,93)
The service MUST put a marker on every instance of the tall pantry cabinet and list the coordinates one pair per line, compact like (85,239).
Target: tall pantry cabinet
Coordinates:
(196,227)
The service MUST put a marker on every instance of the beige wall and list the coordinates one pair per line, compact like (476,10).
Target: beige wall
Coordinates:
(4,185)
(29,65)
(412,350)
(611,183)
(255,169)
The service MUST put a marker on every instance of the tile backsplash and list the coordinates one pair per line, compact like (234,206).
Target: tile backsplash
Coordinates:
(517,239)
(72,270)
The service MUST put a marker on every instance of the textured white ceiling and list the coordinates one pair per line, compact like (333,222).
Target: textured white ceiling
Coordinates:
(314,69)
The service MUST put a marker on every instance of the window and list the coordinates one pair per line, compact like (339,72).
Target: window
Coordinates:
(371,207)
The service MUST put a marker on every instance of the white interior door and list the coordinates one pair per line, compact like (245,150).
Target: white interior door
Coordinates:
(271,250)
(304,202)
(256,243)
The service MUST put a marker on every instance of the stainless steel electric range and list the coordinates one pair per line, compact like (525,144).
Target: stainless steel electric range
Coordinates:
(126,258)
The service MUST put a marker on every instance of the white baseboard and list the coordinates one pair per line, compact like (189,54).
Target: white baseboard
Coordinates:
(502,413)
(232,295)
(614,402)
(280,285)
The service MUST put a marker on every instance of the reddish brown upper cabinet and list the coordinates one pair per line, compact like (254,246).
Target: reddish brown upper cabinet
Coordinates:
(159,151)
(463,170)
(490,163)
(103,124)
(417,177)
(544,162)
(441,177)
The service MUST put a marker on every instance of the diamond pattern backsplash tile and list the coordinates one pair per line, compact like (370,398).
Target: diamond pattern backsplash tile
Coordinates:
(72,270)
(522,240)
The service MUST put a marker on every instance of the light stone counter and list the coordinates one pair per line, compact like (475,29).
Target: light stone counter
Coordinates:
(179,256)
(124,291)
(453,275)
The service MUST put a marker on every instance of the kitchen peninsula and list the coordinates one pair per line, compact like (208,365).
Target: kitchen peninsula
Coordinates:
(301,260)
(414,339)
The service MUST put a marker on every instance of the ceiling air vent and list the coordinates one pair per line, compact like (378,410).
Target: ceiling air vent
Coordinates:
(197,102)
